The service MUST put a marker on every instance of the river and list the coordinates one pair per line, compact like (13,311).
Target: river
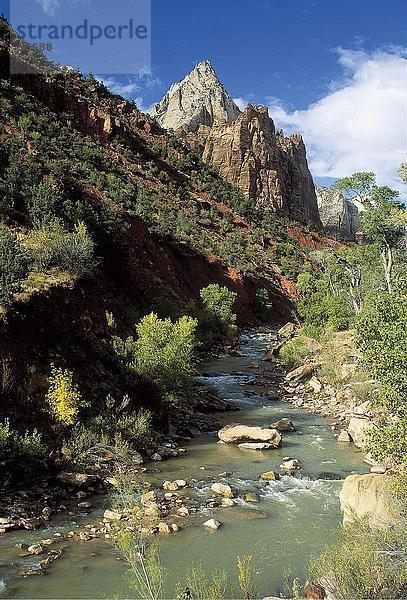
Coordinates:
(294,519)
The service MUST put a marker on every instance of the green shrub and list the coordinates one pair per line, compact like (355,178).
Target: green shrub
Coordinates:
(13,266)
(22,456)
(365,563)
(164,352)
(63,396)
(294,353)
(218,301)
(51,246)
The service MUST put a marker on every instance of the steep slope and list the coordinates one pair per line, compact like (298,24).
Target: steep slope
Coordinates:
(339,216)
(270,169)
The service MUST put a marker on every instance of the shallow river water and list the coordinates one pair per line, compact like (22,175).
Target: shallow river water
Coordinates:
(295,518)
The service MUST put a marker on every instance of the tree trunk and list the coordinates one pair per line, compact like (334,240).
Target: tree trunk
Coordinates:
(387,259)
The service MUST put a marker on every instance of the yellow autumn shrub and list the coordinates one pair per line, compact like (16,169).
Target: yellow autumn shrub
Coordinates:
(63,396)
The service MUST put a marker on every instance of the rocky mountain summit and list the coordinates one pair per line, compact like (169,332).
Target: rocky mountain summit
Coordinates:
(199,99)
(339,216)
(245,148)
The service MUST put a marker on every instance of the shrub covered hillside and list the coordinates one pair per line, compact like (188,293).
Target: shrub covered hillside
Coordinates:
(104,220)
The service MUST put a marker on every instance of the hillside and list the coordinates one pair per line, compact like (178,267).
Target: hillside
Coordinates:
(108,214)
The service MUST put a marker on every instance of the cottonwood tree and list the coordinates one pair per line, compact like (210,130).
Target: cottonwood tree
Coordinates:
(357,186)
(384,223)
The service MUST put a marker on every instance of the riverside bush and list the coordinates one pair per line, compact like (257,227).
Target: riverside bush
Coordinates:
(22,456)
(366,563)
(51,246)
(13,266)
(63,396)
(294,353)
(164,351)
(217,320)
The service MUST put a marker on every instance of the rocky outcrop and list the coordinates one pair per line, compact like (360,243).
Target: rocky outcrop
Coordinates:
(269,168)
(359,429)
(339,216)
(244,148)
(199,99)
(365,494)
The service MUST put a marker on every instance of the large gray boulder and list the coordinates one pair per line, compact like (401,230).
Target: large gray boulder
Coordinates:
(236,433)
(359,429)
(366,494)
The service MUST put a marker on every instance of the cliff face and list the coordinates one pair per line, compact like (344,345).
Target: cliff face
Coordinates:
(244,148)
(269,168)
(339,216)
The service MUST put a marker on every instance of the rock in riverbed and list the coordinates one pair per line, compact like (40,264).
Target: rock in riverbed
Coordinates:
(212,524)
(223,489)
(251,497)
(270,476)
(35,549)
(290,464)
(344,436)
(256,446)
(283,425)
(236,433)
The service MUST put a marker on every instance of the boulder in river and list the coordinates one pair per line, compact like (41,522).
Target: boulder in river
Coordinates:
(256,446)
(164,527)
(344,436)
(251,497)
(245,433)
(212,524)
(283,425)
(226,502)
(290,464)
(78,479)
(35,549)
(270,476)
(170,486)
(222,489)
(287,330)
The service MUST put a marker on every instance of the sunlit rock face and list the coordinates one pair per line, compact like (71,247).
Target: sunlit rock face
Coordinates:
(244,147)
(339,216)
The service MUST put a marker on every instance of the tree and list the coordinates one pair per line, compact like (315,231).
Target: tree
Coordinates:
(403,172)
(382,336)
(13,266)
(164,352)
(219,302)
(384,223)
(357,186)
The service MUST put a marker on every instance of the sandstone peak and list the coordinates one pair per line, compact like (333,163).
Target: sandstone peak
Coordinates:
(198,99)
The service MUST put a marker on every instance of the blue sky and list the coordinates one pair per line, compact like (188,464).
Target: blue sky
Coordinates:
(332,69)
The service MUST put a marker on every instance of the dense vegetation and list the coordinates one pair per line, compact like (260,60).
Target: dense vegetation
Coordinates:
(365,287)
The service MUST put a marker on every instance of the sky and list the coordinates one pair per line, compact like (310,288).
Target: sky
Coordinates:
(335,70)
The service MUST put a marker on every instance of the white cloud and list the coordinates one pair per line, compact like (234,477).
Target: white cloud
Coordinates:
(360,125)
(240,103)
(127,90)
(49,6)
(118,87)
